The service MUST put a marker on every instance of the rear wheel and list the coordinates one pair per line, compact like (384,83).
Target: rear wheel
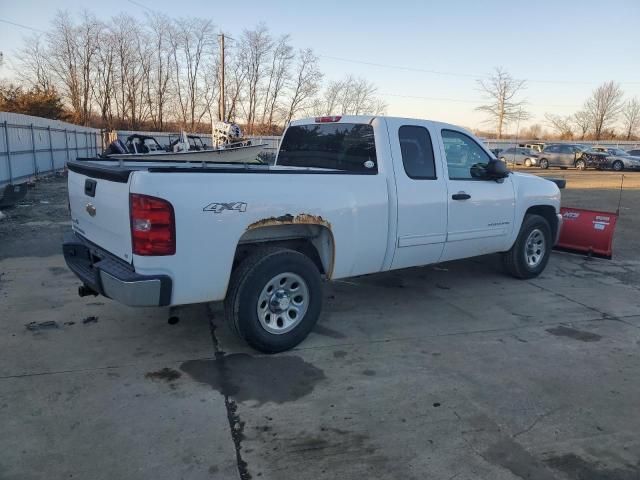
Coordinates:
(544,163)
(530,253)
(618,166)
(581,164)
(274,299)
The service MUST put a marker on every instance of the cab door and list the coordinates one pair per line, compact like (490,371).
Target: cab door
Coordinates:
(480,211)
(421,192)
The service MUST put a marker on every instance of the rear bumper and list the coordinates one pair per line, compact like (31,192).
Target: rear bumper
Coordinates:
(112,277)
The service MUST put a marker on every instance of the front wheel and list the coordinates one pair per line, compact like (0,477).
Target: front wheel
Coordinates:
(274,299)
(618,166)
(530,253)
(544,164)
(581,164)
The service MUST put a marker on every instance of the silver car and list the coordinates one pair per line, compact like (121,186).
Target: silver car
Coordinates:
(520,156)
(618,159)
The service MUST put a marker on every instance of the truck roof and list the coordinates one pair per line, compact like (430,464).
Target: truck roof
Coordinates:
(369,119)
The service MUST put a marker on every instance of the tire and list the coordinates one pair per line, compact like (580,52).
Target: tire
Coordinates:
(527,162)
(581,165)
(530,253)
(544,163)
(617,166)
(274,320)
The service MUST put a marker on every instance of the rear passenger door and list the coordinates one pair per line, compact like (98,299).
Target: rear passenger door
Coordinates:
(421,192)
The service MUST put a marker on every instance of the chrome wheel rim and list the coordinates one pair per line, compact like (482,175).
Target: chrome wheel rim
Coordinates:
(535,248)
(617,166)
(283,303)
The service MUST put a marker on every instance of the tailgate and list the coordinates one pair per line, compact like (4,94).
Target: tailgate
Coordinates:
(100,211)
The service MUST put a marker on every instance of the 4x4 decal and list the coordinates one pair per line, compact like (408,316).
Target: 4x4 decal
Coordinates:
(218,207)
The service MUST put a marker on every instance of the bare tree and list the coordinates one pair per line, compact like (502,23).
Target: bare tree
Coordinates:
(33,68)
(328,104)
(501,91)
(64,62)
(281,58)
(143,73)
(350,96)
(193,46)
(234,88)
(131,68)
(562,125)
(359,98)
(104,84)
(604,106)
(158,82)
(255,47)
(631,117)
(306,82)
(533,131)
(582,120)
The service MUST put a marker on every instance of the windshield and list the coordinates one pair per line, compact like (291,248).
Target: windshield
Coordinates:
(152,145)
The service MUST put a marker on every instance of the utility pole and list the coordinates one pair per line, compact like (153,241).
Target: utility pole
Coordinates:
(222,102)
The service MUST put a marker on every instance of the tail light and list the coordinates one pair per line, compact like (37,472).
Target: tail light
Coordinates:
(328,119)
(153,225)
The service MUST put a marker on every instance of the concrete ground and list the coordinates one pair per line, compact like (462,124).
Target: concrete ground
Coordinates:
(441,372)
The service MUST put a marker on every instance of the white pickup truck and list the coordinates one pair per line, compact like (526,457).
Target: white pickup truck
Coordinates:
(348,196)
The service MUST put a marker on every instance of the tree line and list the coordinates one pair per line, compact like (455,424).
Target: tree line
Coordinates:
(159,73)
(605,114)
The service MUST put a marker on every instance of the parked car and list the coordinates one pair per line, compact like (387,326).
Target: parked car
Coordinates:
(635,152)
(347,196)
(618,159)
(520,156)
(565,155)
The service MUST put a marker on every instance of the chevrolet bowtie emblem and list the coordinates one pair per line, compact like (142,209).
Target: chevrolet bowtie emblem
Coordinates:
(91,210)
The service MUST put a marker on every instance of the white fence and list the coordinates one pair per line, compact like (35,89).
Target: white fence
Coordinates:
(32,145)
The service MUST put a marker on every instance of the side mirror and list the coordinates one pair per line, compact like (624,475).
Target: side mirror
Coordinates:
(496,170)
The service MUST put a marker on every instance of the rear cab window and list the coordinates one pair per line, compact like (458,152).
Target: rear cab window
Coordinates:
(348,147)
(417,152)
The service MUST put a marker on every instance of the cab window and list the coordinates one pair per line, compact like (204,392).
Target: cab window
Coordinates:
(465,158)
(348,147)
(417,152)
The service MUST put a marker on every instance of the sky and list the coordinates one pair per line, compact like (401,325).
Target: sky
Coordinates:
(425,57)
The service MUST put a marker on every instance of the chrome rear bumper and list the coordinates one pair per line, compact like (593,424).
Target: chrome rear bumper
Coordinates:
(104,274)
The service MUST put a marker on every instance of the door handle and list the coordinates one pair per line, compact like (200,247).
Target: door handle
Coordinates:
(461,196)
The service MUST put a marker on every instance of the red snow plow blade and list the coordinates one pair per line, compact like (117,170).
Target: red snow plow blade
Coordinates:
(587,231)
